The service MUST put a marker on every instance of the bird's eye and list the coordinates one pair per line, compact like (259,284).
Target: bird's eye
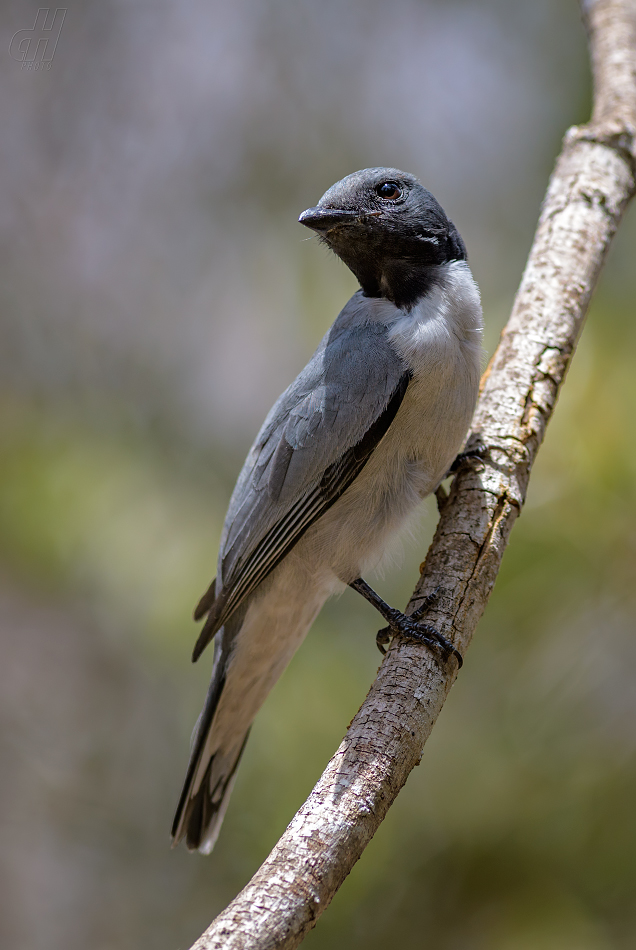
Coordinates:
(389,190)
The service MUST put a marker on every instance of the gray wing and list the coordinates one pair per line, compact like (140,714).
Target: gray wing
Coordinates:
(315,441)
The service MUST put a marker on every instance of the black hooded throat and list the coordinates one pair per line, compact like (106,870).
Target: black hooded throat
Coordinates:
(394,246)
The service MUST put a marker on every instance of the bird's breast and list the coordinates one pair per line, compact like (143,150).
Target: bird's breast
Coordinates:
(440,341)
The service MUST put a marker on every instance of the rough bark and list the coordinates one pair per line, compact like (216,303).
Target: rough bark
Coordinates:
(593,180)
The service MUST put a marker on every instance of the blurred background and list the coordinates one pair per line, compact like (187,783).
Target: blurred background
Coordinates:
(156,295)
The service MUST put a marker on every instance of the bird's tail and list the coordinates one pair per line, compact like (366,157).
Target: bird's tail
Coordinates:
(208,784)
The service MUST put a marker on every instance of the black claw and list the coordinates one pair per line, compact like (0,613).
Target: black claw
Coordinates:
(479,453)
(382,637)
(446,645)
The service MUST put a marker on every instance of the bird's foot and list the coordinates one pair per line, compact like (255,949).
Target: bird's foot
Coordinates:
(414,630)
(409,628)
(479,452)
(426,633)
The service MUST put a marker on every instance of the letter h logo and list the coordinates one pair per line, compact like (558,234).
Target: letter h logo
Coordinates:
(35,48)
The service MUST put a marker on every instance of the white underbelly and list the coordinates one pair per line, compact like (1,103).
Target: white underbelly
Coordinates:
(406,466)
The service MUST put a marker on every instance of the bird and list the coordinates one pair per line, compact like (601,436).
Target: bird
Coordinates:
(368,429)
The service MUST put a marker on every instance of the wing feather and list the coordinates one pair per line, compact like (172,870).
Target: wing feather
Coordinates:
(314,443)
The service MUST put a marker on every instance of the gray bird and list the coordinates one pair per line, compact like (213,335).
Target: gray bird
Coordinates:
(369,428)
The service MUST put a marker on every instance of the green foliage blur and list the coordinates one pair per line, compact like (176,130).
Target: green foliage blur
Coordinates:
(156,299)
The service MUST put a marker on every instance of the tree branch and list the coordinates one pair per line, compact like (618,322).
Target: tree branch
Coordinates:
(593,181)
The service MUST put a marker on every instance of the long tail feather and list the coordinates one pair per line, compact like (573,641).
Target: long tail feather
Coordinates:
(200,811)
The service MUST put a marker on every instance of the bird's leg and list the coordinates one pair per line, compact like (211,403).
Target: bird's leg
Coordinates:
(409,628)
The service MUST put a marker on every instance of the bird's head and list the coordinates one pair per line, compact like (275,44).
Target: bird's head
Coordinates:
(388,230)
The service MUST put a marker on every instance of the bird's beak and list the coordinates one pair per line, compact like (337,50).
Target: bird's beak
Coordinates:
(324,219)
